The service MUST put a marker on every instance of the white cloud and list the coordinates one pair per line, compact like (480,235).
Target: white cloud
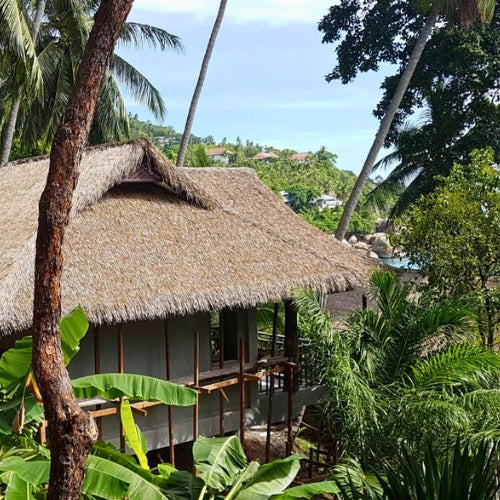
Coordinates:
(269,11)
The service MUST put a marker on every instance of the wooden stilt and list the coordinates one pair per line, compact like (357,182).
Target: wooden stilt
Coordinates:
(97,369)
(269,416)
(289,442)
(171,437)
(196,379)
(221,366)
(275,329)
(270,400)
(242,390)
(291,338)
(120,370)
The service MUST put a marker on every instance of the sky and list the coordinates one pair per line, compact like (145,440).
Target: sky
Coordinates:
(265,82)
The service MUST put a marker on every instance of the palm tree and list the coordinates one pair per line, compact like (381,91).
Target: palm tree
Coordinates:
(466,12)
(19,41)
(199,84)
(62,38)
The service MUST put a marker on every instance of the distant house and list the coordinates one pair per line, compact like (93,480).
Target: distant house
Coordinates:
(265,156)
(286,197)
(327,201)
(221,155)
(299,157)
(153,253)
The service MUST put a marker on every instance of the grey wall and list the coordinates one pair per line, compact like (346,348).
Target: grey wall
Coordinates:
(144,353)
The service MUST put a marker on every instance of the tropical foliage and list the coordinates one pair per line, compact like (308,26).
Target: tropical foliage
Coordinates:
(404,374)
(62,38)
(453,236)
(460,472)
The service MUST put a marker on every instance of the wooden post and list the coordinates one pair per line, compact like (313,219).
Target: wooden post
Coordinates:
(242,390)
(97,370)
(270,399)
(120,370)
(289,441)
(291,338)
(269,416)
(196,381)
(171,437)
(275,329)
(221,365)
(364,302)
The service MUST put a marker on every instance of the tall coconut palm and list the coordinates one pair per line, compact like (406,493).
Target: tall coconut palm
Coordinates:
(63,34)
(19,41)
(466,12)
(199,84)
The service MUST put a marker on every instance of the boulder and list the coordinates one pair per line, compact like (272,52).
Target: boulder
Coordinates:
(362,245)
(352,240)
(371,254)
(382,247)
(382,225)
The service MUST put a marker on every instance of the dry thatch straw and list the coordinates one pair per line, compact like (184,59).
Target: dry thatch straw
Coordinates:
(148,240)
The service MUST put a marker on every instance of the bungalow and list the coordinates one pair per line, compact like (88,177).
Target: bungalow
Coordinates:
(221,155)
(327,201)
(299,157)
(152,252)
(263,155)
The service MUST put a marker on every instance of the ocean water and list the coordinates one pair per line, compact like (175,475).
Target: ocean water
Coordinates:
(400,263)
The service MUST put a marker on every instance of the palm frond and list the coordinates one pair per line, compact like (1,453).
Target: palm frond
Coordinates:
(136,35)
(19,36)
(139,86)
(460,368)
(74,16)
(111,118)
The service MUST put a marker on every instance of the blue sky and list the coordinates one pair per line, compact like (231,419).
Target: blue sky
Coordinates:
(266,77)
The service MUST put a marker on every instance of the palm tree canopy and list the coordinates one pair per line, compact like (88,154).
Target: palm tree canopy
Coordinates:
(63,34)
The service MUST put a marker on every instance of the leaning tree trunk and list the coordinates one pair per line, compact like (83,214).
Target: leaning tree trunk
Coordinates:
(385,125)
(199,85)
(71,430)
(11,122)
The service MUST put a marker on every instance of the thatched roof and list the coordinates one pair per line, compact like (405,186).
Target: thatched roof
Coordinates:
(147,240)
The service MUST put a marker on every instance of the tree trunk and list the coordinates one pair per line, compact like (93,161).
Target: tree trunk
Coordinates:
(11,123)
(199,85)
(71,430)
(385,125)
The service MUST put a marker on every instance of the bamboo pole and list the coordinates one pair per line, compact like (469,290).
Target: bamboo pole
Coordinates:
(171,437)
